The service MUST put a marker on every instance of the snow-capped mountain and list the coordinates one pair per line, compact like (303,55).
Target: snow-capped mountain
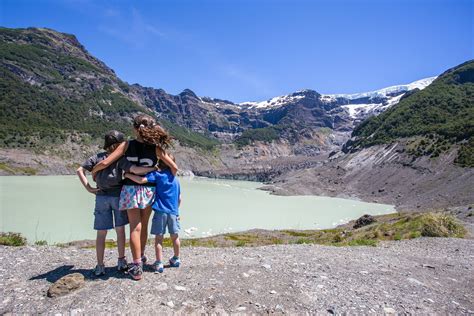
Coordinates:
(361,105)
(357,105)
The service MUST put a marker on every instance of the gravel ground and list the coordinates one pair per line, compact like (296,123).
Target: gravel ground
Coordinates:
(424,275)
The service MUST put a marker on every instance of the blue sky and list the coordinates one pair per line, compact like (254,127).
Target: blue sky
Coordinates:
(253,50)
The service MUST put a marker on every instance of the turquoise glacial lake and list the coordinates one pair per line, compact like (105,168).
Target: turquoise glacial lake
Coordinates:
(58,209)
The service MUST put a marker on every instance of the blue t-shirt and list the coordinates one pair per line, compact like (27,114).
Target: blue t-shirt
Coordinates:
(167,191)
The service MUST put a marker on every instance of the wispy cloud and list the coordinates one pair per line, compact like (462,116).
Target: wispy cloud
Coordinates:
(248,78)
(130,27)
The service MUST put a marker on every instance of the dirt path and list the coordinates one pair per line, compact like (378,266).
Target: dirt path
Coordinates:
(417,276)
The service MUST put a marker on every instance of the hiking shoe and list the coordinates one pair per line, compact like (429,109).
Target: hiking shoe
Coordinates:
(158,267)
(175,262)
(122,264)
(99,270)
(135,270)
(144,259)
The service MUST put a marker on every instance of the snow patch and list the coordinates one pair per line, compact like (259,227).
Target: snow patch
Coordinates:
(273,103)
(420,84)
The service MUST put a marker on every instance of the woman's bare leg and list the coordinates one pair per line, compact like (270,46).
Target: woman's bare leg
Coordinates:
(134,218)
(145,218)
(159,247)
(120,241)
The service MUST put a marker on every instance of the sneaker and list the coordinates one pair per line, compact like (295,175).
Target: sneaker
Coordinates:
(158,267)
(99,270)
(175,262)
(144,259)
(122,264)
(135,270)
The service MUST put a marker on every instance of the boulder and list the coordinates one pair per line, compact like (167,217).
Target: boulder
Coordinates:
(66,285)
(364,220)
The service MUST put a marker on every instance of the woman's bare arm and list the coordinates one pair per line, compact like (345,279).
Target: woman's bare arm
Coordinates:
(162,155)
(117,153)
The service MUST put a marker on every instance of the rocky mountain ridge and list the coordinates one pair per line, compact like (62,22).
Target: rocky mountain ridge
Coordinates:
(49,78)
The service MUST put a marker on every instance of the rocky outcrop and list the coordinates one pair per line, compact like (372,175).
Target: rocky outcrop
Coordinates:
(385,174)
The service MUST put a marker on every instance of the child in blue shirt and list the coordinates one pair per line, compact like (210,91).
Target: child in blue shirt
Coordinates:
(166,206)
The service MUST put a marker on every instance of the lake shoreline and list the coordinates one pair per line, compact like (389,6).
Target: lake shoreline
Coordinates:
(394,226)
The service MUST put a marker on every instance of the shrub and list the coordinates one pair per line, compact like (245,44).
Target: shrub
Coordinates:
(441,225)
(12,239)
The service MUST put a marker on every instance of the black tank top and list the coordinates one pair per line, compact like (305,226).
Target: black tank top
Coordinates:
(142,155)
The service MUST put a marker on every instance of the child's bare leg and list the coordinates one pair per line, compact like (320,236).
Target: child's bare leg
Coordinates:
(100,246)
(176,244)
(159,248)
(120,241)
(145,217)
(135,231)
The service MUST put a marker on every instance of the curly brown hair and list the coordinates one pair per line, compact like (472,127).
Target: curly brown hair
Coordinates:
(151,132)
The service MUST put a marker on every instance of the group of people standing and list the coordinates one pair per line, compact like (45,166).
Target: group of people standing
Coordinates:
(133,179)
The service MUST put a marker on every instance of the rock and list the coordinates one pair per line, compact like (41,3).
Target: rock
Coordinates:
(66,285)
(180,288)
(364,221)
(170,304)
(161,287)
(245,275)
(273,292)
(389,311)
(241,309)
(267,266)
(415,281)
(428,266)
(364,272)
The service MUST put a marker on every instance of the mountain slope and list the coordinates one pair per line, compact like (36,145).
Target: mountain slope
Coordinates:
(52,89)
(437,118)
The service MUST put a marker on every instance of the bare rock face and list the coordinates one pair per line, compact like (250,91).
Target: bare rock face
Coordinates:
(66,285)
(364,220)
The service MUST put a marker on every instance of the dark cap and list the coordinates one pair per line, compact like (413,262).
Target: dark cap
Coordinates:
(113,137)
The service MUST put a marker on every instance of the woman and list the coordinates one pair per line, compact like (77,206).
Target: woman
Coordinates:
(145,150)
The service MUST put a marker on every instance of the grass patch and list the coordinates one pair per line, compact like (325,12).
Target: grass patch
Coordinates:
(362,242)
(12,239)
(41,243)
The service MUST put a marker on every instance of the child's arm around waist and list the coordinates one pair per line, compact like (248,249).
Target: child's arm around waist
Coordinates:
(81,172)
(135,178)
(141,170)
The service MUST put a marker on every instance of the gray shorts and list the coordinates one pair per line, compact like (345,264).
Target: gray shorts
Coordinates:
(163,220)
(107,214)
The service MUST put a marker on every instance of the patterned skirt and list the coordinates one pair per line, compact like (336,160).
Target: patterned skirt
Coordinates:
(136,196)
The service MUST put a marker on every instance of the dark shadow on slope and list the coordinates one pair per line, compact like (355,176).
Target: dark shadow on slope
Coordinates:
(55,274)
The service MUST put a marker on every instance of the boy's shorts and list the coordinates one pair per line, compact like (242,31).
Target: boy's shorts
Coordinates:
(161,221)
(107,214)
